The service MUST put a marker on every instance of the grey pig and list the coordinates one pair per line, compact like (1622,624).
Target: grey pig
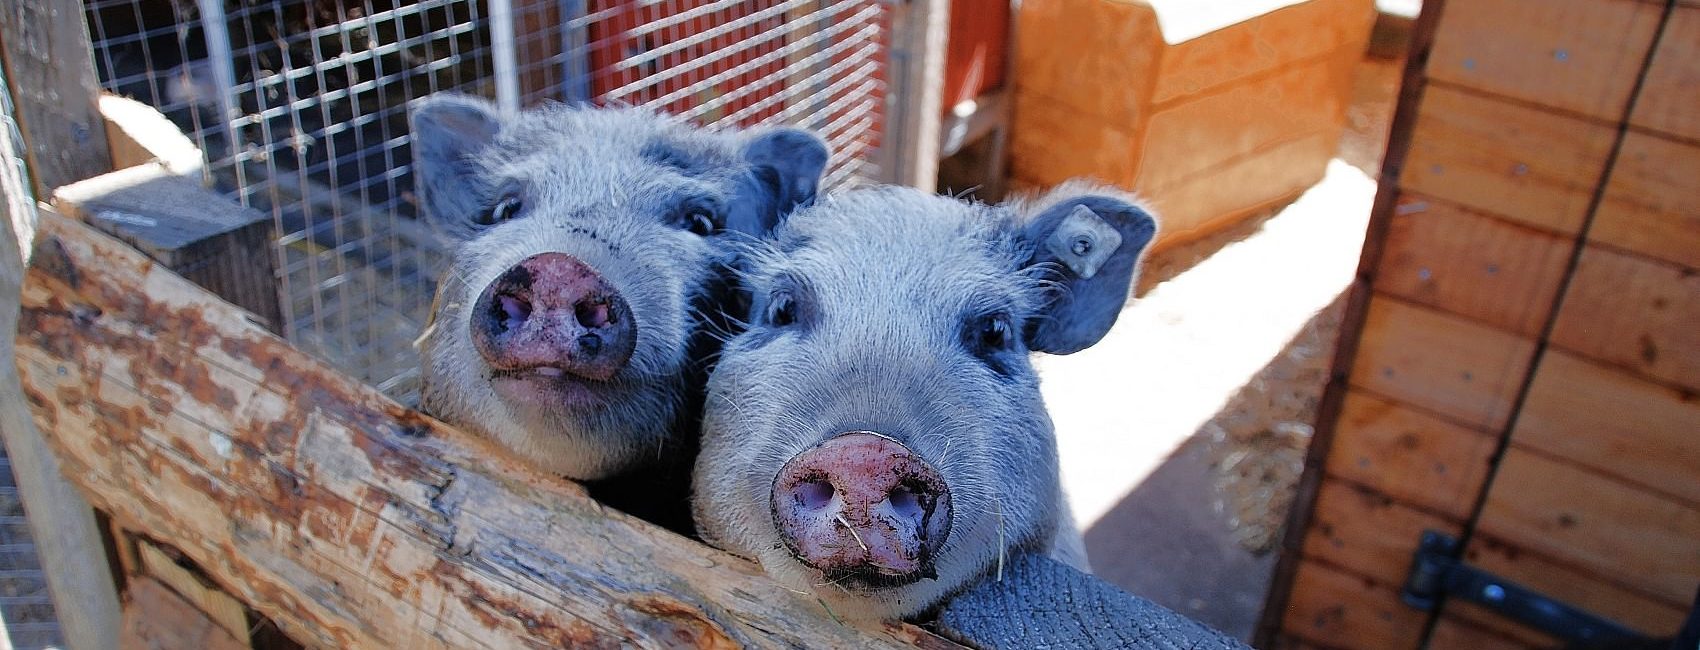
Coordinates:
(588,247)
(876,436)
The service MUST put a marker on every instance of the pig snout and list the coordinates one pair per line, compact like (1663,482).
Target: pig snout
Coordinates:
(553,315)
(863,507)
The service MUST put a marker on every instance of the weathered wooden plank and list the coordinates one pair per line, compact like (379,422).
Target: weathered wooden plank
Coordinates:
(1338,609)
(1611,421)
(49,69)
(1525,164)
(1671,89)
(156,618)
(345,518)
(1576,55)
(1442,255)
(1443,363)
(1411,456)
(64,528)
(1596,524)
(1368,533)
(1652,201)
(218,606)
(1635,313)
(1648,615)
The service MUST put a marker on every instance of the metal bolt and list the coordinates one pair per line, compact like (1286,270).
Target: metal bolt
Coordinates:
(1520,170)
(1561,55)
(1469,64)
(1423,274)
(1493,593)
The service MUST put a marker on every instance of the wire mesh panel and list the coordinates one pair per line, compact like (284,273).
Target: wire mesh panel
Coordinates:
(299,107)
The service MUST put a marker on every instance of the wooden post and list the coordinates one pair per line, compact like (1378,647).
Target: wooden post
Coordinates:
(49,62)
(921,29)
(67,538)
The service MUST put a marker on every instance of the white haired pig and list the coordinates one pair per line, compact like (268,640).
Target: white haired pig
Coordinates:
(588,248)
(877,435)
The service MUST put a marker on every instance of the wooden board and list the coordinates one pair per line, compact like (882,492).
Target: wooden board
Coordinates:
(1368,533)
(1525,164)
(155,618)
(1060,42)
(346,519)
(1454,367)
(1672,87)
(1652,200)
(1483,623)
(1611,421)
(1600,526)
(1575,55)
(1579,588)
(1453,632)
(1413,457)
(1195,137)
(1261,43)
(1443,255)
(1635,313)
(1332,607)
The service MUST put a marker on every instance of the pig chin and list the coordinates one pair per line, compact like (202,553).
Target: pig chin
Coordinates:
(550,391)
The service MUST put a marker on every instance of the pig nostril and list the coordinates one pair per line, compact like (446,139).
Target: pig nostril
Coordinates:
(511,311)
(593,313)
(590,343)
(814,495)
(906,503)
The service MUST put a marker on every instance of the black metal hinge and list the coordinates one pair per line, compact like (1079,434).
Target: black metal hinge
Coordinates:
(1438,573)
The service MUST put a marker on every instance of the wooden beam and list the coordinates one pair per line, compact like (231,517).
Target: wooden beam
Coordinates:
(920,34)
(67,538)
(347,519)
(49,68)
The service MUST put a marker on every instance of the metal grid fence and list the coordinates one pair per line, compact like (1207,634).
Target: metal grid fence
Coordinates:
(299,107)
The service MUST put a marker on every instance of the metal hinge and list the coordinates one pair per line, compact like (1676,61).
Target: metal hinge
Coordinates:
(1437,573)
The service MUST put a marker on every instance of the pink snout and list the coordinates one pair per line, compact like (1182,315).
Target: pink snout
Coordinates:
(862,507)
(553,315)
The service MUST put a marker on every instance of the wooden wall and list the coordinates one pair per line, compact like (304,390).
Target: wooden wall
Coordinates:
(1525,364)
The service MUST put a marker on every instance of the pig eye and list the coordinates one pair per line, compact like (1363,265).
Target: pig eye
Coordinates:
(993,333)
(505,209)
(781,310)
(699,221)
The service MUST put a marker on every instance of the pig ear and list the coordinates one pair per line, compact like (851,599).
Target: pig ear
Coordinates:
(448,131)
(785,169)
(1090,246)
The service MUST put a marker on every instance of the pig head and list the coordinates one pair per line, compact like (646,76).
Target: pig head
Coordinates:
(877,434)
(587,249)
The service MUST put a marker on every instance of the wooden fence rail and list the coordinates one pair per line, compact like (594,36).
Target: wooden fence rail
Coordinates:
(345,518)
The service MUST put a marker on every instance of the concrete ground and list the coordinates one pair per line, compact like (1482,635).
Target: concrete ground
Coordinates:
(1182,434)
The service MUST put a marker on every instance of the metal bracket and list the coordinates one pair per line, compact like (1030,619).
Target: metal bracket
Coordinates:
(1437,573)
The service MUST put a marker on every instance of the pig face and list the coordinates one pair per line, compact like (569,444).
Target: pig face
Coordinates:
(877,434)
(586,249)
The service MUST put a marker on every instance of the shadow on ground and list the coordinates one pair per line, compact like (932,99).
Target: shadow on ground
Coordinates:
(1198,534)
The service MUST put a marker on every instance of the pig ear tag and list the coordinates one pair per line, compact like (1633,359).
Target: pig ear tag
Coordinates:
(1083,241)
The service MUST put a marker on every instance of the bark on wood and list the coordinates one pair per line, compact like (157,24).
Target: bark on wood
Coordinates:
(345,518)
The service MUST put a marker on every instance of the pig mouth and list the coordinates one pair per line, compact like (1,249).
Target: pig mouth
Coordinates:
(549,387)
